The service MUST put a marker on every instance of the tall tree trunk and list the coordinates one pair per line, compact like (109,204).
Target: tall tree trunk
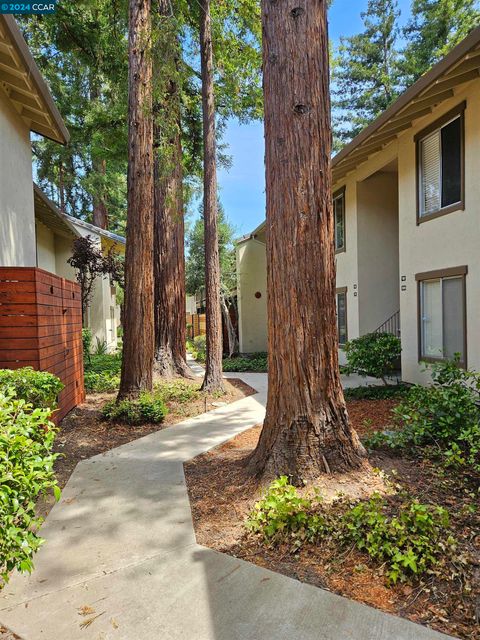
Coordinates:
(169,229)
(306,430)
(213,380)
(230,329)
(138,342)
(169,257)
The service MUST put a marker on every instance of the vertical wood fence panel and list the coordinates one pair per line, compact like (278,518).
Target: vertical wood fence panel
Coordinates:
(41,327)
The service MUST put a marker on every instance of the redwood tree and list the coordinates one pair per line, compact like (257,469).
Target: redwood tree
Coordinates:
(138,341)
(169,230)
(306,430)
(213,380)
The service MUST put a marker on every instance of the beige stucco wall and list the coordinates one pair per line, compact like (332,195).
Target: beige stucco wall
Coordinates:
(45,248)
(17,224)
(377,248)
(252,311)
(449,241)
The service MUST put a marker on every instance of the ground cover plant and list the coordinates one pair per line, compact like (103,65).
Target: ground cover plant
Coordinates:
(26,472)
(256,362)
(147,408)
(373,354)
(102,372)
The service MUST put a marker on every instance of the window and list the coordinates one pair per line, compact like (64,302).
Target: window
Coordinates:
(442,314)
(339,214)
(342,315)
(440,166)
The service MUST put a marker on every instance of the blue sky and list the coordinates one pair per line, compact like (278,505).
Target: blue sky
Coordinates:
(242,187)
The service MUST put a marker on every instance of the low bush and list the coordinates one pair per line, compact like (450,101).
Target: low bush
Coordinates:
(377,392)
(444,417)
(146,409)
(408,538)
(26,473)
(87,342)
(257,362)
(180,391)
(102,373)
(38,388)
(374,354)
(200,346)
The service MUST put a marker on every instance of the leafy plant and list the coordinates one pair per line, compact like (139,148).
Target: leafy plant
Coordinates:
(87,342)
(200,346)
(377,392)
(282,513)
(409,542)
(255,362)
(409,538)
(102,373)
(101,347)
(26,472)
(38,388)
(374,354)
(445,415)
(146,409)
(180,391)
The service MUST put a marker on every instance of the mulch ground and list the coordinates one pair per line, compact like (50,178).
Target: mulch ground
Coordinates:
(222,493)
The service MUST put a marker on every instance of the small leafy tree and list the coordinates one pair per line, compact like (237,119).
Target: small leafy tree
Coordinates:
(89,263)
(374,354)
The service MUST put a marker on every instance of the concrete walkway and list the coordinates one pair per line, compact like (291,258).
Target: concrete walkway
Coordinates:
(121,541)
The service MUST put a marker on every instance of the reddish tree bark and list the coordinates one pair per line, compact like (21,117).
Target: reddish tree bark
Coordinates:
(169,257)
(138,341)
(213,380)
(306,430)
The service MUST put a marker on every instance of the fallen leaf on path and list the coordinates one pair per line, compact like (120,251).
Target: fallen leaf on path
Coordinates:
(87,623)
(86,610)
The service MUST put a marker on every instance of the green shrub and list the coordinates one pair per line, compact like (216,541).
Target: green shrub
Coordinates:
(374,354)
(102,373)
(101,347)
(38,388)
(26,472)
(87,342)
(445,416)
(177,391)
(377,392)
(409,538)
(282,513)
(409,543)
(257,362)
(146,409)
(200,346)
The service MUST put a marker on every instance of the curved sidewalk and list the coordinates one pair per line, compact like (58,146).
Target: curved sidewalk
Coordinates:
(121,541)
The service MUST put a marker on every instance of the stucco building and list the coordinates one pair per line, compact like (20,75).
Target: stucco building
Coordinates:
(407,224)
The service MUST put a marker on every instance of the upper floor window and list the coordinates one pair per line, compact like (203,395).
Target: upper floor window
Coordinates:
(339,214)
(440,161)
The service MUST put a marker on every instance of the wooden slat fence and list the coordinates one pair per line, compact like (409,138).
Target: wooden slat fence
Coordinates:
(41,327)
(196,325)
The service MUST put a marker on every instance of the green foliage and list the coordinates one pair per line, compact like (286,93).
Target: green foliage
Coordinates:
(199,348)
(409,543)
(409,539)
(102,373)
(255,362)
(377,392)
(445,416)
(87,342)
(38,388)
(181,391)
(374,354)
(26,472)
(434,28)
(282,513)
(101,347)
(365,73)
(148,408)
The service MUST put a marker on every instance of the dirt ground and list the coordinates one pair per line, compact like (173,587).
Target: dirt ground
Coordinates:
(222,493)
